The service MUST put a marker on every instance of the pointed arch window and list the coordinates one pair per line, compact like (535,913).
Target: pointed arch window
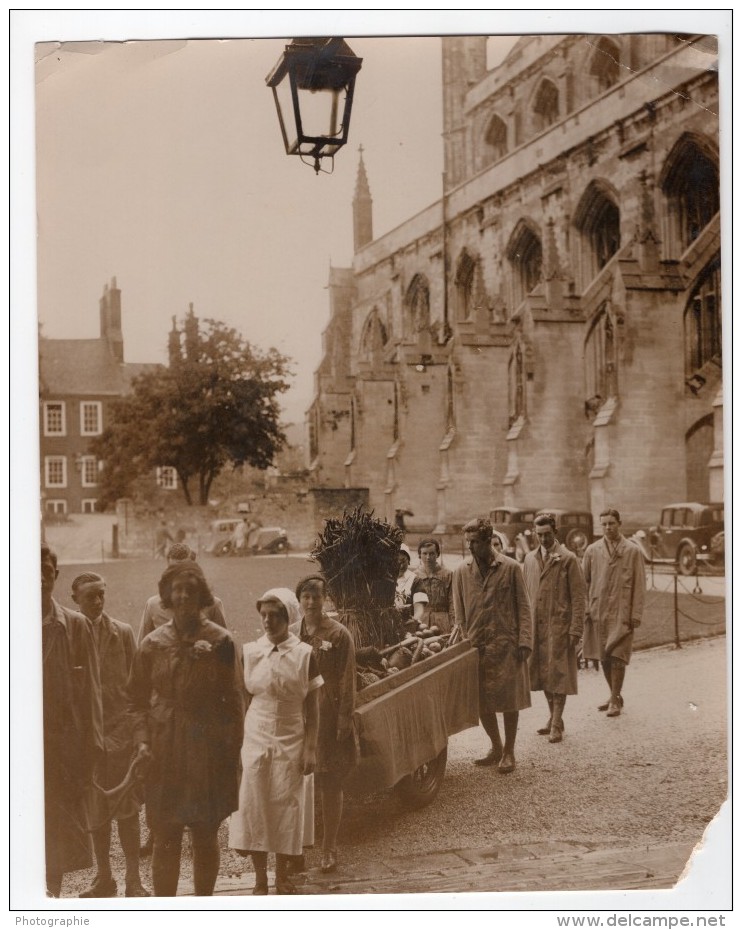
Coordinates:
(495,140)
(605,66)
(373,339)
(464,282)
(690,180)
(598,219)
(703,321)
(545,106)
(526,256)
(516,384)
(417,306)
(601,360)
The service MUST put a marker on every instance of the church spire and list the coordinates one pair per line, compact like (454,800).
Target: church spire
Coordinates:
(362,208)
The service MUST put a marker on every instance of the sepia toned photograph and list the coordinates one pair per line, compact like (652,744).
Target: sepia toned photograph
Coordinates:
(380,482)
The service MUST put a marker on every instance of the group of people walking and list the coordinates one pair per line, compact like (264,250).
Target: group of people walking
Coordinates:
(183,723)
(527,623)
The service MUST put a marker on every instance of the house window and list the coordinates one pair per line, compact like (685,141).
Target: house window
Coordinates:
(167,478)
(55,420)
(90,418)
(55,469)
(703,321)
(55,506)
(601,361)
(545,106)
(89,505)
(89,471)
(605,66)
(495,140)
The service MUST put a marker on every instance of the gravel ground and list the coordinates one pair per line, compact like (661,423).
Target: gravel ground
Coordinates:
(656,774)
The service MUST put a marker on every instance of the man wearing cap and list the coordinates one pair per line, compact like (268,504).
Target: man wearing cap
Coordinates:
(115,648)
(556,588)
(73,730)
(491,607)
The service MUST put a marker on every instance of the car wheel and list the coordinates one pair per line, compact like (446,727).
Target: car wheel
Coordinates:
(280,546)
(576,540)
(222,548)
(686,559)
(420,788)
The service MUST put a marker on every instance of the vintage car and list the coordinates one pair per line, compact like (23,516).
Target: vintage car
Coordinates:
(220,532)
(514,526)
(688,533)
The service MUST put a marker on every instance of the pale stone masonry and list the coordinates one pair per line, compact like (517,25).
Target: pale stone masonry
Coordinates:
(549,332)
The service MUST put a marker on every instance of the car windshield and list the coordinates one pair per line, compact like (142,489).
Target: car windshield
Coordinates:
(501,516)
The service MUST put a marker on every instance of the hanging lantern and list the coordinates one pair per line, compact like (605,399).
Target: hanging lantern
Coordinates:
(314,104)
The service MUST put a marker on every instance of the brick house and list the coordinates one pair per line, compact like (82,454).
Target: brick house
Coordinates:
(548,332)
(78,380)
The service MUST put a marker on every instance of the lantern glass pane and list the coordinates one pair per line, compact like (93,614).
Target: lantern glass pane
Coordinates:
(321,113)
(285,110)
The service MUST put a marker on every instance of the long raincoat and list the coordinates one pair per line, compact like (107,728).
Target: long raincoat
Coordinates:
(186,697)
(616,584)
(495,615)
(556,590)
(272,793)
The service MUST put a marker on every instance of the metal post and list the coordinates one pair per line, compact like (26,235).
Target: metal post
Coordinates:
(677,615)
(115,541)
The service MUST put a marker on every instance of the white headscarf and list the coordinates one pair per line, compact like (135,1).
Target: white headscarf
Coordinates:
(287,597)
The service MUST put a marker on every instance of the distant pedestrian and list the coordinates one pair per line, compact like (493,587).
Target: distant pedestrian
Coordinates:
(115,646)
(616,582)
(435,581)
(73,730)
(163,536)
(491,607)
(556,588)
(405,579)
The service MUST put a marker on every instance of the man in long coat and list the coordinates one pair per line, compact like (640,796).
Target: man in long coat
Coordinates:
(616,582)
(492,609)
(115,646)
(73,732)
(556,590)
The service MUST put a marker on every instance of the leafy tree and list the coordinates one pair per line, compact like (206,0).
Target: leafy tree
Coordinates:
(214,406)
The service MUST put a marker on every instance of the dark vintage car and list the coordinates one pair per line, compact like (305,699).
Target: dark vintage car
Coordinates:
(514,526)
(688,533)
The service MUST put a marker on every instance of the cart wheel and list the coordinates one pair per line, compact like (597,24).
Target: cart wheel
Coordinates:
(420,788)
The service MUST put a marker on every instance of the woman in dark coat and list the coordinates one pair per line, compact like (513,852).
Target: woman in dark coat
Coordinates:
(337,751)
(186,696)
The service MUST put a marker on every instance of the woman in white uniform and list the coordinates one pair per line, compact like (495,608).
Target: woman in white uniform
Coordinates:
(280,746)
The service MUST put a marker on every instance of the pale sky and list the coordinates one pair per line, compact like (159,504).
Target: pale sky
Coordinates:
(161,163)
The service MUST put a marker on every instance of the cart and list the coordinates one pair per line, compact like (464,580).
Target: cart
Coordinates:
(404,722)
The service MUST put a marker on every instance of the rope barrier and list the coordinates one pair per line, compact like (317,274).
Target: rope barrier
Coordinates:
(699,622)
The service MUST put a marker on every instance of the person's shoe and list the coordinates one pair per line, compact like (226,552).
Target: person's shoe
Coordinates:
(136,890)
(614,710)
(102,888)
(284,885)
(261,888)
(555,736)
(492,757)
(608,704)
(507,764)
(145,850)
(544,731)
(297,864)
(329,861)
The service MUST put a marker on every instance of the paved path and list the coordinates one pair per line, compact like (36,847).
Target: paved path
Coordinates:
(533,867)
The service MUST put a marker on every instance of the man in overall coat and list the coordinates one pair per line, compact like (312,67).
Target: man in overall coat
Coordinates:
(556,590)
(491,607)
(616,582)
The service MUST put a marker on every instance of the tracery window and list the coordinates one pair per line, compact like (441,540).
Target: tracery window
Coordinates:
(464,282)
(691,182)
(601,360)
(703,321)
(599,221)
(605,65)
(526,256)
(495,140)
(545,106)
(417,306)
